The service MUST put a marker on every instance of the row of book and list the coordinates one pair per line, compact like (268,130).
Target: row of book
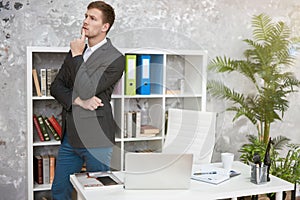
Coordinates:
(139,78)
(42,80)
(44,168)
(134,129)
(46,126)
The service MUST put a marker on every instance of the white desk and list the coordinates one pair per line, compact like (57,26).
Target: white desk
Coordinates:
(235,187)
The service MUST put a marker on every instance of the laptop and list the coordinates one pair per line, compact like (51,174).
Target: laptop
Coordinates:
(157,171)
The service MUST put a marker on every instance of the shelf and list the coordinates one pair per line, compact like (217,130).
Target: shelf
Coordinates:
(42,49)
(160,51)
(43,98)
(138,139)
(40,58)
(151,96)
(142,139)
(183,95)
(116,96)
(46,143)
(41,187)
(171,70)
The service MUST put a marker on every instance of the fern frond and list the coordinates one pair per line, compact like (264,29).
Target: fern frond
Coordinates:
(289,82)
(280,141)
(222,64)
(284,58)
(256,53)
(219,90)
(247,69)
(242,111)
(252,138)
(262,25)
(279,33)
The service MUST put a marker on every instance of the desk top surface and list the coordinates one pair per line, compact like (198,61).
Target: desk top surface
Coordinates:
(235,187)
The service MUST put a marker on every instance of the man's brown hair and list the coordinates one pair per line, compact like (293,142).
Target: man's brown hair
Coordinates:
(108,12)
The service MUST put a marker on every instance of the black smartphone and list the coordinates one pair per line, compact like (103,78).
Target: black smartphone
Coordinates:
(106,180)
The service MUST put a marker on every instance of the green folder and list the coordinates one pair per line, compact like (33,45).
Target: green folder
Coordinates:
(130,75)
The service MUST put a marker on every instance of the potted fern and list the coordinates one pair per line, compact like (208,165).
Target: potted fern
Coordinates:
(266,67)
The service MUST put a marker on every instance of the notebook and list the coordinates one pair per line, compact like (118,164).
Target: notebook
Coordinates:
(157,171)
(210,174)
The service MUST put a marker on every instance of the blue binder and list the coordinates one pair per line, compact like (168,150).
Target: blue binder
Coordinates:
(143,75)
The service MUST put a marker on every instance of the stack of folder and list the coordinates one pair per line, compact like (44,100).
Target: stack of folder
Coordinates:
(137,74)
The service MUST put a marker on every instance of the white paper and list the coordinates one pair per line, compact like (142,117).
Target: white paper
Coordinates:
(210,174)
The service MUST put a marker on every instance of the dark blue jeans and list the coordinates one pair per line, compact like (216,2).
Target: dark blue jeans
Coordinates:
(70,161)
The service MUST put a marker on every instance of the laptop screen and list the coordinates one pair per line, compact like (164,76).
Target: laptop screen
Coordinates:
(157,171)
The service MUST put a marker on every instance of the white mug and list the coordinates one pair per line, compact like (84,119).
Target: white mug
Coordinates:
(227,160)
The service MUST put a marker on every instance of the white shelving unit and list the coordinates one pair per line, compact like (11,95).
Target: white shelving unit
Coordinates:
(173,69)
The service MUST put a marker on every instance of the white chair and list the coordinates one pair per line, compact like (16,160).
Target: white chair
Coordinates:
(191,131)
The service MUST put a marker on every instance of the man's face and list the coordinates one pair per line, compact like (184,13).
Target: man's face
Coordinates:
(93,24)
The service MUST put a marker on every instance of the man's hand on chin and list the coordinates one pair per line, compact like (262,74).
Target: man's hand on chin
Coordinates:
(77,45)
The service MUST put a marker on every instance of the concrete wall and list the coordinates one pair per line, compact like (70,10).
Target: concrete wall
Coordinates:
(214,25)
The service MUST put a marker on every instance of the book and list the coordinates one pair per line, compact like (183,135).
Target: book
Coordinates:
(129,124)
(48,84)
(173,92)
(43,128)
(149,129)
(90,180)
(38,169)
(51,74)
(133,125)
(210,174)
(143,75)
(38,128)
(130,74)
(125,125)
(46,169)
(36,83)
(51,168)
(55,125)
(51,129)
(43,75)
(147,135)
(136,119)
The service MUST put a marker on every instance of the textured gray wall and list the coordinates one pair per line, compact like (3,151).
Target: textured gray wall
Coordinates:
(215,25)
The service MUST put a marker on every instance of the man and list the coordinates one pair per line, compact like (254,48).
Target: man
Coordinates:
(83,87)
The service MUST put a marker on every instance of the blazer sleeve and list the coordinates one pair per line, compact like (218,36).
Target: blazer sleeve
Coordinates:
(62,86)
(111,74)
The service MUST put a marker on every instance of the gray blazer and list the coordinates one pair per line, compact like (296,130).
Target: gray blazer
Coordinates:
(95,77)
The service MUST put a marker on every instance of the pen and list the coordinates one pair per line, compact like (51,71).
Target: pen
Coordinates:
(202,173)
(257,173)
